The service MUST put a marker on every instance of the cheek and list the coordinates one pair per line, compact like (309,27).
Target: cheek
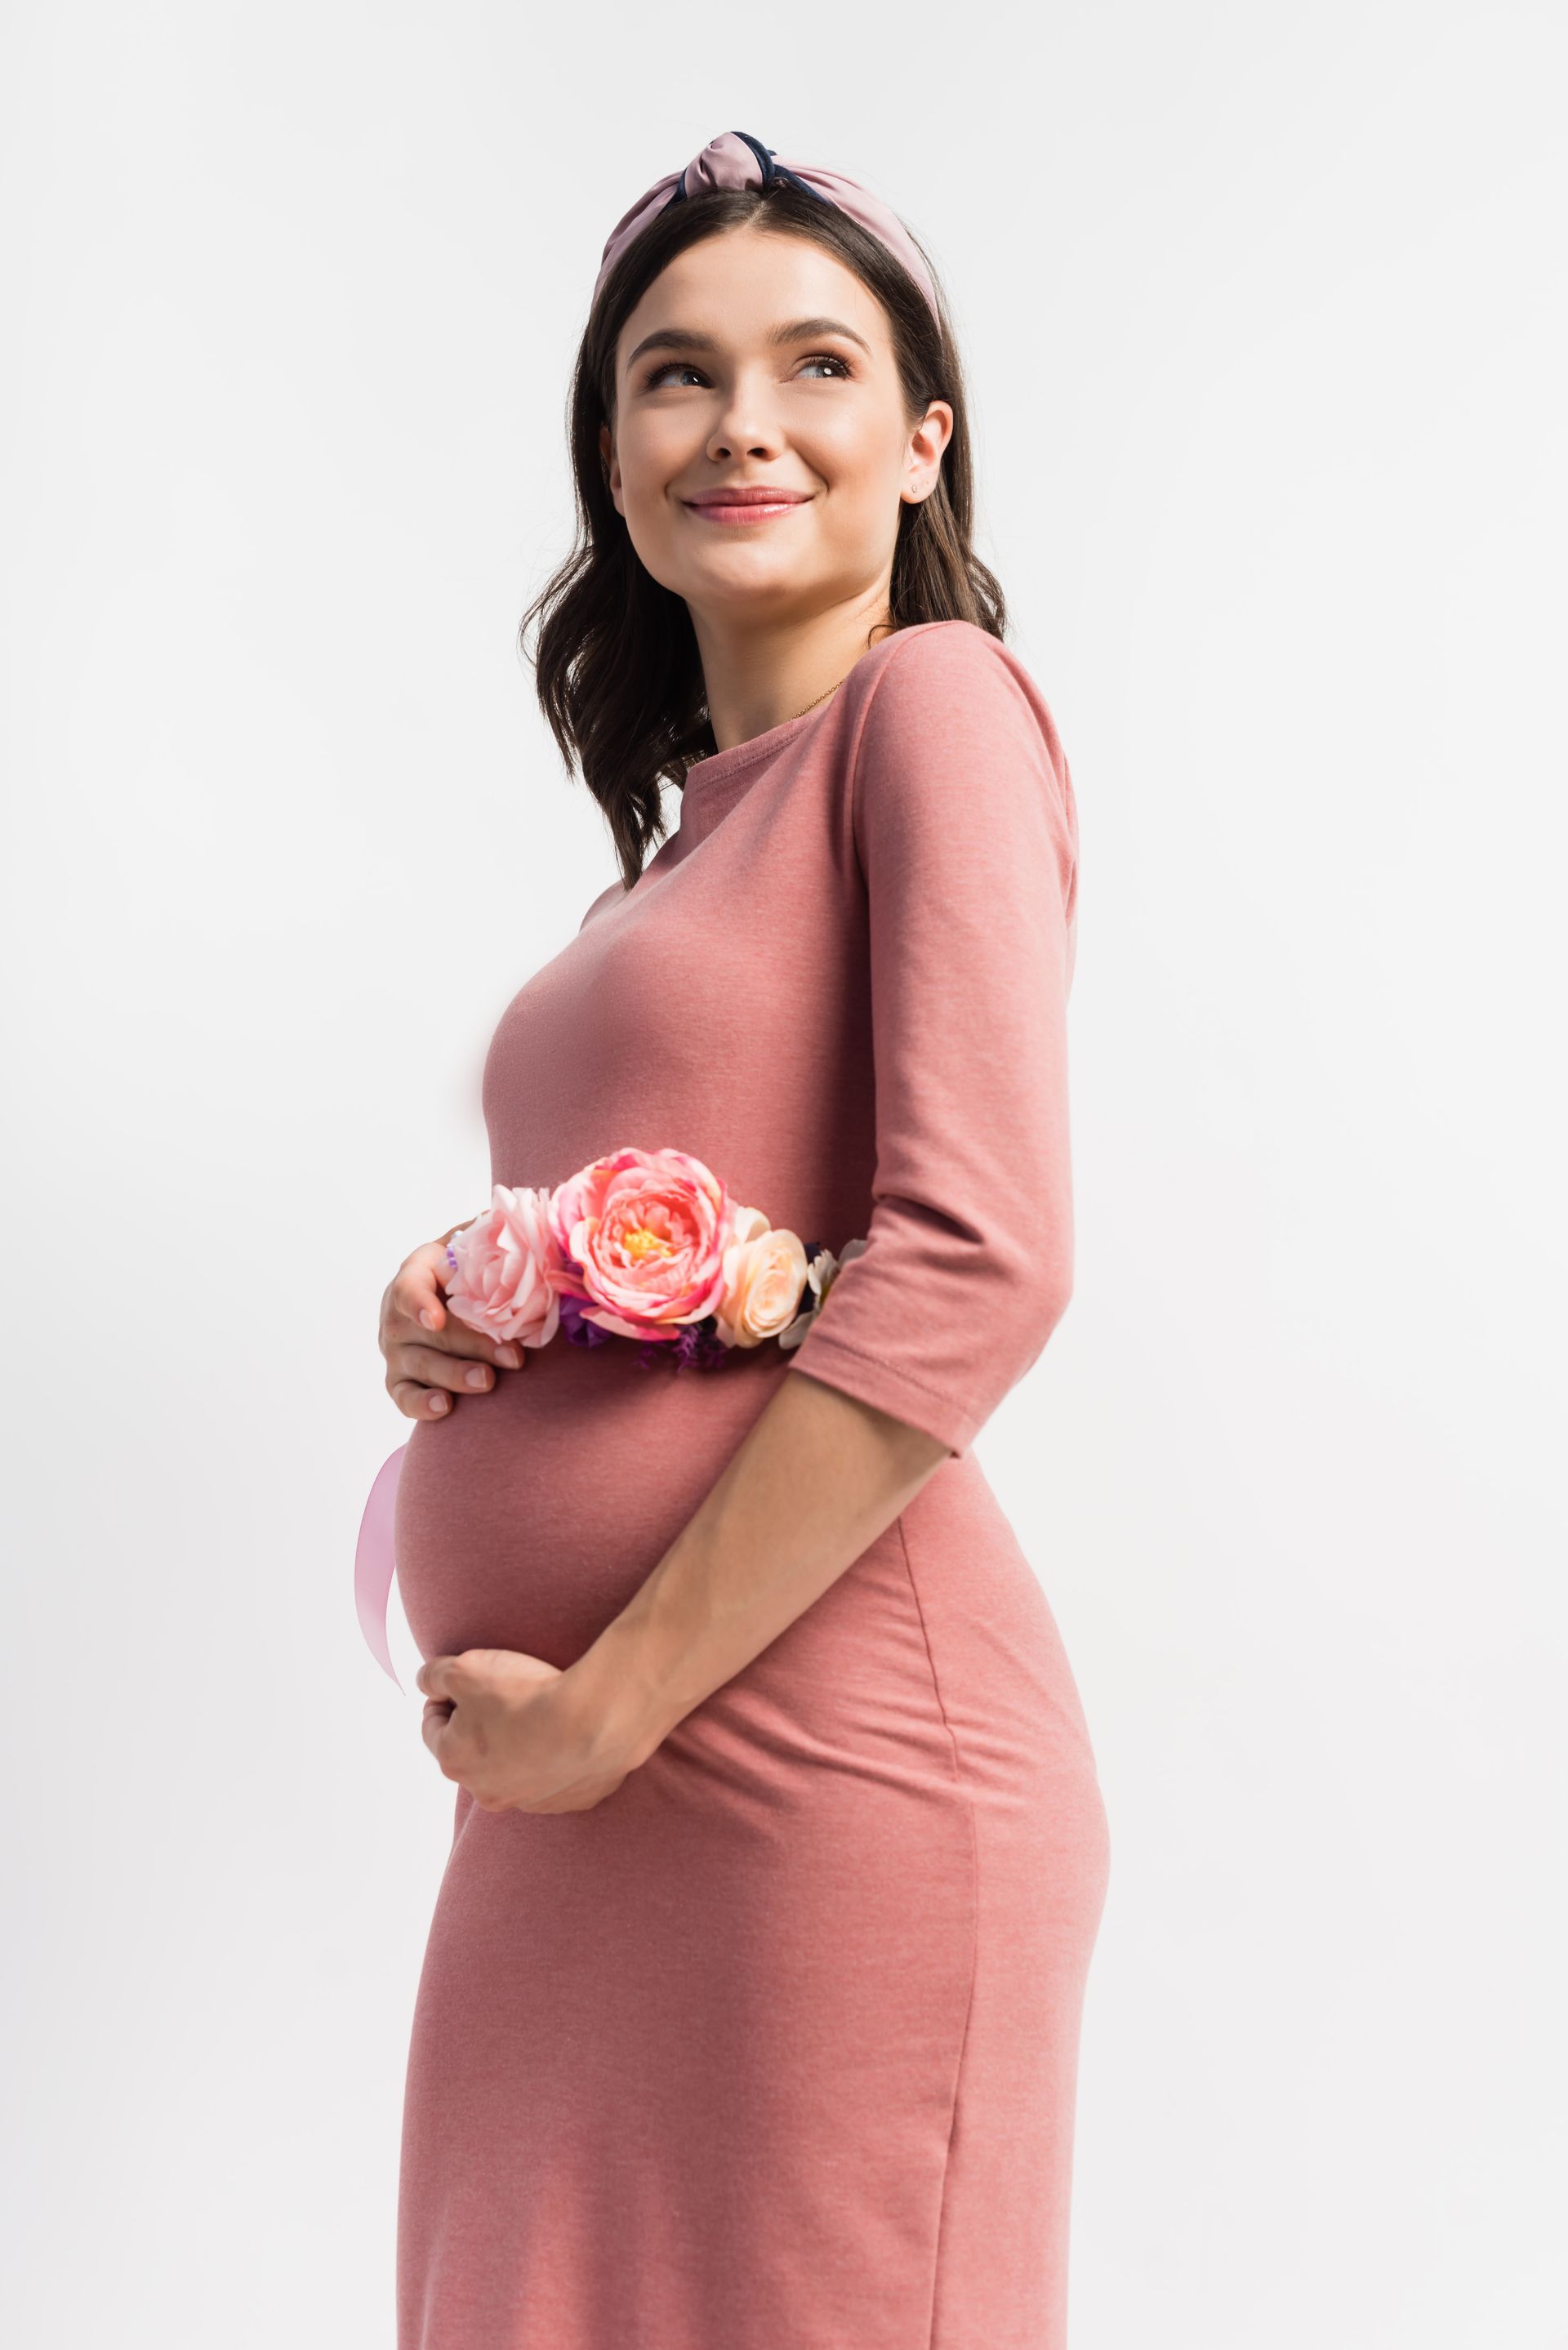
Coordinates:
(861,506)
(649,461)
(862,465)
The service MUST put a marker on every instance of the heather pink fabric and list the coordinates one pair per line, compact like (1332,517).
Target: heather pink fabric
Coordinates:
(776,2049)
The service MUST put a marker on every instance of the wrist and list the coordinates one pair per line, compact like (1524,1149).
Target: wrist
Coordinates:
(613,1704)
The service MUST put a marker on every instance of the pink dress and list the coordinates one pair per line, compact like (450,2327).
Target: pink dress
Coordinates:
(777,2048)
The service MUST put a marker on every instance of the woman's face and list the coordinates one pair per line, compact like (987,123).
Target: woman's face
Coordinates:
(757,361)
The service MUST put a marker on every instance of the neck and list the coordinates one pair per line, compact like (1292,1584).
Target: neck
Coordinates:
(760,679)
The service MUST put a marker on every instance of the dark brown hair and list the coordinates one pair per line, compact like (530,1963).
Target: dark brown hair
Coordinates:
(616,664)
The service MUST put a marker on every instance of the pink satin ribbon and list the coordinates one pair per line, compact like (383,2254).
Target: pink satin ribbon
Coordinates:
(374,1560)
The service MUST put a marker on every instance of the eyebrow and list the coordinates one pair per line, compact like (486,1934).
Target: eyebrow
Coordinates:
(796,330)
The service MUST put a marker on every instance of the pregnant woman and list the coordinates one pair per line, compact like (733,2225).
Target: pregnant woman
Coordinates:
(751,2009)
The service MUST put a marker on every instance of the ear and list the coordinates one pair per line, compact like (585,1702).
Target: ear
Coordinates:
(611,465)
(928,443)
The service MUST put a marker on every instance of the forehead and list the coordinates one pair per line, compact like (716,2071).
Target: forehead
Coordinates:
(750,289)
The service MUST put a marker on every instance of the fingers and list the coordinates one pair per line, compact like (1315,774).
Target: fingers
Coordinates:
(412,1299)
(435,1730)
(416,1400)
(452,1678)
(414,1310)
(415,1292)
(417,1403)
(431,1351)
(422,1380)
(455,1738)
(439,1677)
(459,1338)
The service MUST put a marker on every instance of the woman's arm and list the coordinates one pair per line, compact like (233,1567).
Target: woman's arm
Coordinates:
(963,829)
(818,1477)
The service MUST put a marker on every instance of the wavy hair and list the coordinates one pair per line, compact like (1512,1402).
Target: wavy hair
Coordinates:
(616,662)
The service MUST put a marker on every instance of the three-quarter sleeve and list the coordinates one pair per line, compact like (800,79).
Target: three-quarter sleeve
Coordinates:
(965,830)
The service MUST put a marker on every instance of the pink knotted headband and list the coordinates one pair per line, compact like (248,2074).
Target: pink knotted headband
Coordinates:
(736,160)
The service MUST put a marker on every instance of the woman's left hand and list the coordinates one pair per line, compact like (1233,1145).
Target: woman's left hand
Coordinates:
(499,1722)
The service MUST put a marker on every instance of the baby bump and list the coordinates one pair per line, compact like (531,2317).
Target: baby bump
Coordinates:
(529,1516)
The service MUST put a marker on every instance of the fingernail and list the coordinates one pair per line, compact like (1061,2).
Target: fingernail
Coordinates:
(427,1316)
(510,1356)
(478,1376)
(438,1403)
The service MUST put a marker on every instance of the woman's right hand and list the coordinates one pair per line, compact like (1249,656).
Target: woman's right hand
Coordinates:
(432,1356)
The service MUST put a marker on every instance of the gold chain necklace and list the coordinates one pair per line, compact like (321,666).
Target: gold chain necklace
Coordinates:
(812,705)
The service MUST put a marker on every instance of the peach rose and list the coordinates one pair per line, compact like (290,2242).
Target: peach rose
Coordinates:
(644,1234)
(503,1264)
(764,1273)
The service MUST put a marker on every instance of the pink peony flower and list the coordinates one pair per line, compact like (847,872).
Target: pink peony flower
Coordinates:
(504,1267)
(764,1273)
(643,1234)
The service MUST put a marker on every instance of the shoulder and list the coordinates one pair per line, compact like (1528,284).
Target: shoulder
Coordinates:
(948,700)
(935,656)
(612,896)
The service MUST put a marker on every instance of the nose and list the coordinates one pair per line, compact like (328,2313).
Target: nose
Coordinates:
(745,423)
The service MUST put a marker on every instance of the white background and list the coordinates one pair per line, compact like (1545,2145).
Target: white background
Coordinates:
(1261,312)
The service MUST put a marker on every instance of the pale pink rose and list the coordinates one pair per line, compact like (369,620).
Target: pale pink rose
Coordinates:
(824,1271)
(764,1273)
(501,1282)
(644,1233)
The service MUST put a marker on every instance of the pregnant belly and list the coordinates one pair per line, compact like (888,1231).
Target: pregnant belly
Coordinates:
(527,1519)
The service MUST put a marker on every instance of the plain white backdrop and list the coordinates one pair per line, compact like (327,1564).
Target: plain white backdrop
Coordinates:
(1262,310)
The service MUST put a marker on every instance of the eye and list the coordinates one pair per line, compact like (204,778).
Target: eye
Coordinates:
(655,377)
(684,367)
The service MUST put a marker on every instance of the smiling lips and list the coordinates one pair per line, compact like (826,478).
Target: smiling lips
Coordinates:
(746,505)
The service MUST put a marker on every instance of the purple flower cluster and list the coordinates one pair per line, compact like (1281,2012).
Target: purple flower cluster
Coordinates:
(696,1346)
